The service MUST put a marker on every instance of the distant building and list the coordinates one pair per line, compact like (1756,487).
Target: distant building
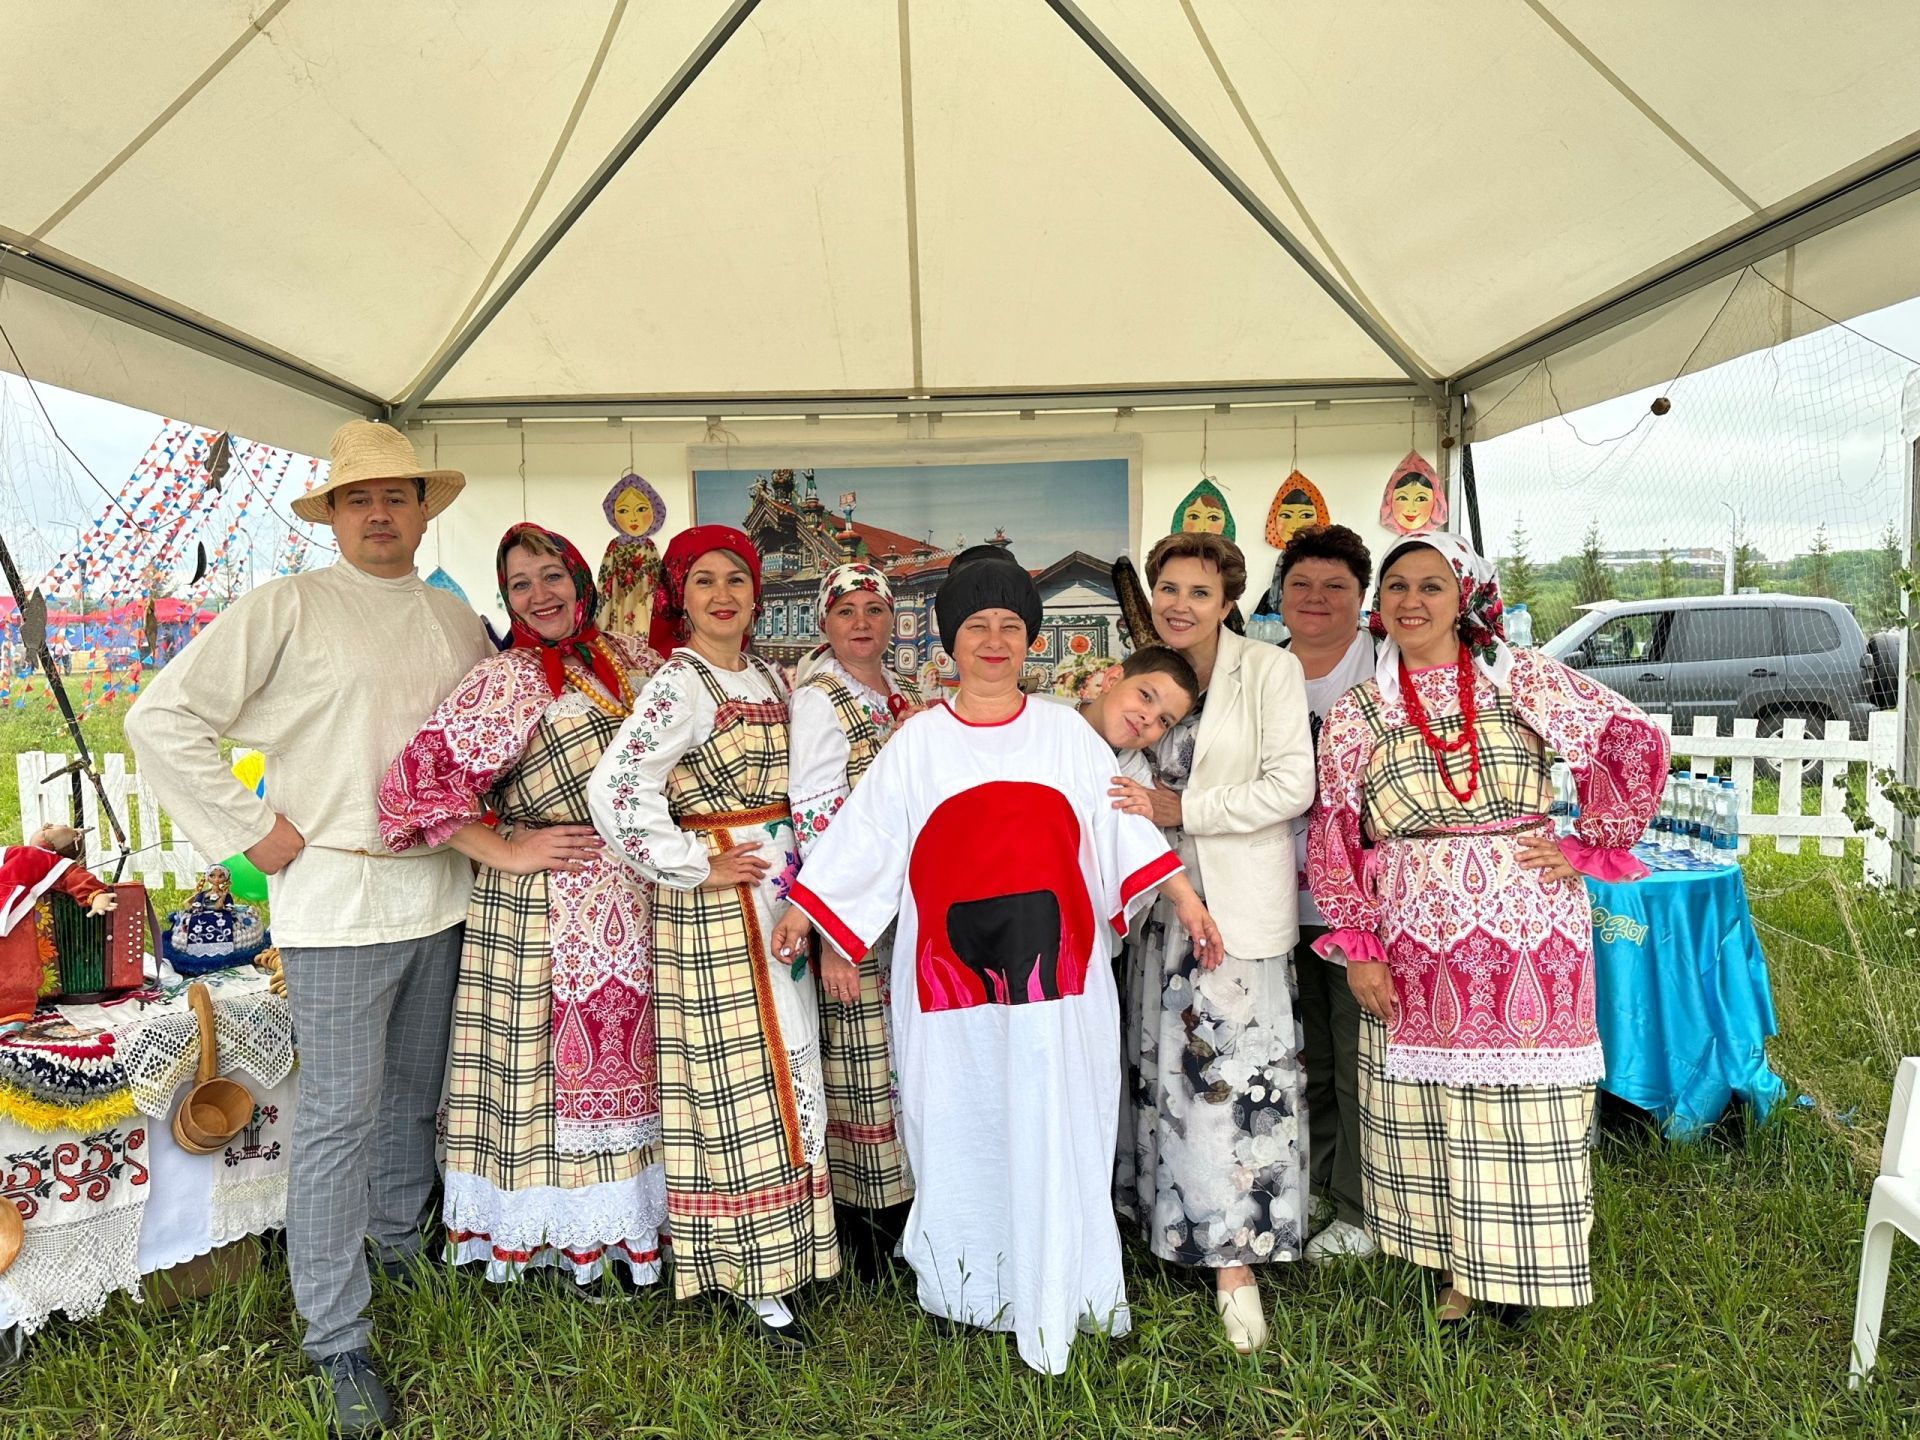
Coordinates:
(1694,560)
(799,540)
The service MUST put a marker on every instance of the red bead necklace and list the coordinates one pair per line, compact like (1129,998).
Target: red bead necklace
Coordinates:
(1469,732)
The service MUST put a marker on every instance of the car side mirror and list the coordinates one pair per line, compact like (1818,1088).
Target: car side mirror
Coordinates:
(1576,658)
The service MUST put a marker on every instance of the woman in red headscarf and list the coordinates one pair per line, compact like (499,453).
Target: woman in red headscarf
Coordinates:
(553,1109)
(693,793)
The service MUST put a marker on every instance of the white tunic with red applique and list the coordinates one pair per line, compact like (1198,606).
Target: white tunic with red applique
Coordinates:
(1012,878)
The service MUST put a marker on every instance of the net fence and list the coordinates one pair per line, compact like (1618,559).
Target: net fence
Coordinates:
(1732,550)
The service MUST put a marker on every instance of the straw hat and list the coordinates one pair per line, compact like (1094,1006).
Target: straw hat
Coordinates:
(365,450)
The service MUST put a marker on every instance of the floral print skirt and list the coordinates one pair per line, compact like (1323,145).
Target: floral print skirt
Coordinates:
(1213,1125)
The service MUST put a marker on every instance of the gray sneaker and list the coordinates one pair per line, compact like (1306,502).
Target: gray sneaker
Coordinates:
(357,1398)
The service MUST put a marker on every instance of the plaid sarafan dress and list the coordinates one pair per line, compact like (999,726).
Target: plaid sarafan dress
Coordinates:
(553,1106)
(1475,1104)
(699,769)
(833,743)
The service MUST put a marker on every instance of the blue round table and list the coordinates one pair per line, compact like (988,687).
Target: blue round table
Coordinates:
(1683,999)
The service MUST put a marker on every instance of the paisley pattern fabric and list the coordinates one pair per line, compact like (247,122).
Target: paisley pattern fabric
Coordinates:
(1492,965)
(502,737)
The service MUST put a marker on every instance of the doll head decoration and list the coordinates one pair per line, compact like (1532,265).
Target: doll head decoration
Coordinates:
(1297,505)
(1204,511)
(630,568)
(634,508)
(1414,502)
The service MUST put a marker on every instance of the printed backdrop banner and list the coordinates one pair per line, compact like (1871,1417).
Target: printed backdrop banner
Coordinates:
(1067,512)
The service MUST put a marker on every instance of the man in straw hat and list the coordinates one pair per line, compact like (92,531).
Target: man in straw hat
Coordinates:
(330,673)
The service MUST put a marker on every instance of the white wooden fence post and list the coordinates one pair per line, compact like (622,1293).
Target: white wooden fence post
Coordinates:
(1793,727)
(1883,747)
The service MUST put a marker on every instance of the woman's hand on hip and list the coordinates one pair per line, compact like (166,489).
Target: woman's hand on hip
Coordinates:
(741,865)
(551,847)
(1543,852)
(1372,985)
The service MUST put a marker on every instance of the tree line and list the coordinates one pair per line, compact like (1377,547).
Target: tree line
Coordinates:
(1866,580)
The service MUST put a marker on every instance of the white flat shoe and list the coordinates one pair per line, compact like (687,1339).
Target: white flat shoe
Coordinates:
(1243,1318)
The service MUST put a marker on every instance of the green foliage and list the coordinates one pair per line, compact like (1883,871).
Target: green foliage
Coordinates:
(1818,579)
(1519,584)
(1592,580)
(1666,575)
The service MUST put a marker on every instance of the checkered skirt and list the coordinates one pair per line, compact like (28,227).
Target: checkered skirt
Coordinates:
(500,1086)
(864,1149)
(1491,1183)
(750,1215)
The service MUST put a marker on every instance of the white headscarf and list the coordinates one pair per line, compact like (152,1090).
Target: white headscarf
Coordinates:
(1482,623)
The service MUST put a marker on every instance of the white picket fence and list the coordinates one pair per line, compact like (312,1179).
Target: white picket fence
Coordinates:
(1801,758)
(155,860)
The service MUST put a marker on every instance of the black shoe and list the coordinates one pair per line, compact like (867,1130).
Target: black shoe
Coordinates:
(791,1336)
(357,1399)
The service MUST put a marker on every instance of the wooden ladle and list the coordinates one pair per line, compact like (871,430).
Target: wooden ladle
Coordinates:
(215,1110)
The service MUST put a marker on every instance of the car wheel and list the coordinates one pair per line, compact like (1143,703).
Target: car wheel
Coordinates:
(1774,722)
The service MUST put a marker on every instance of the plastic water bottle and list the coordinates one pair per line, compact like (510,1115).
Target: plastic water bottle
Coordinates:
(1520,625)
(1557,808)
(1702,818)
(1688,830)
(1663,819)
(1727,833)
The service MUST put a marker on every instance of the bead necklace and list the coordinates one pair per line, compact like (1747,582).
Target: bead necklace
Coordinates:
(1469,736)
(624,707)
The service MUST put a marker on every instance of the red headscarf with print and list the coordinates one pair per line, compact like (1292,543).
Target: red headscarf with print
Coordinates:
(579,640)
(669,607)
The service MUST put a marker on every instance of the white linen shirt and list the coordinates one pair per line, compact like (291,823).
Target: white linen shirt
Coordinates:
(329,674)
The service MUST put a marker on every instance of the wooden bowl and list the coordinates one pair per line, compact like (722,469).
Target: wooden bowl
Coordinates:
(214,1110)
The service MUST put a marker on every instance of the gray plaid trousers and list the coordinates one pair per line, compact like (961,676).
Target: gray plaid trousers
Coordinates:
(372,1025)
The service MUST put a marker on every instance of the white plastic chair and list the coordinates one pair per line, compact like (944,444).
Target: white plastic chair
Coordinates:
(1895,1206)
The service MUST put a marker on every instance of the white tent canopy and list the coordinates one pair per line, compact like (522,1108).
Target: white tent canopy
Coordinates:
(442,210)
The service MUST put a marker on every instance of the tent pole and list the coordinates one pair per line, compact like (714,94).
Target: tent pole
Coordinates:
(1835,207)
(102,296)
(1211,162)
(677,85)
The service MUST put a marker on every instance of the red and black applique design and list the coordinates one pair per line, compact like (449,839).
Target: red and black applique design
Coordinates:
(1004,914)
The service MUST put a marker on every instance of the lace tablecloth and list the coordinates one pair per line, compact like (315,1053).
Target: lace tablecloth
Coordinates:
(158,1039)
(105,1201)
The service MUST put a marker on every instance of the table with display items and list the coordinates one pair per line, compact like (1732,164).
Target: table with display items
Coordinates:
(1683,999)
(88,1157)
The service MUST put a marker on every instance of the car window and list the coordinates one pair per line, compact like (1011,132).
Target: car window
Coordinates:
(1806,631)
(1735,633)
(1622,640)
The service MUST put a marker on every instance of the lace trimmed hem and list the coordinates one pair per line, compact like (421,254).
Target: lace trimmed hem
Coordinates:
(588,1218)
(1579,1065)
(605,1137)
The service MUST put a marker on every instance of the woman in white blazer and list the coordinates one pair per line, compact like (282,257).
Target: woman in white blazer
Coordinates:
(1213,1157)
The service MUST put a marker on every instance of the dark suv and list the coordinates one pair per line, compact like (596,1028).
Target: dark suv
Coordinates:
(1730,656)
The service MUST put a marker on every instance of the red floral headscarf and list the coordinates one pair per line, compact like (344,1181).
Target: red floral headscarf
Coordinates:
(1482,620)
(669,607)
(586,600)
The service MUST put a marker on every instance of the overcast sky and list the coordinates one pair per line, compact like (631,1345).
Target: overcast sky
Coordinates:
(1805,434)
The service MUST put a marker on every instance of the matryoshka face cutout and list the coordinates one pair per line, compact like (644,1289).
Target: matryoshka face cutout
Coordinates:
(632,512)
(1294,513)
(1412,503)
(1203,517)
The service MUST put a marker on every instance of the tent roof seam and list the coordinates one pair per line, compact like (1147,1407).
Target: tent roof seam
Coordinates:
(1634,98)
(257,26)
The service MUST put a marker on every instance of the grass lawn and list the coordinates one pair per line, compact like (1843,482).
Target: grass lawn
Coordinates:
(1725,1274)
